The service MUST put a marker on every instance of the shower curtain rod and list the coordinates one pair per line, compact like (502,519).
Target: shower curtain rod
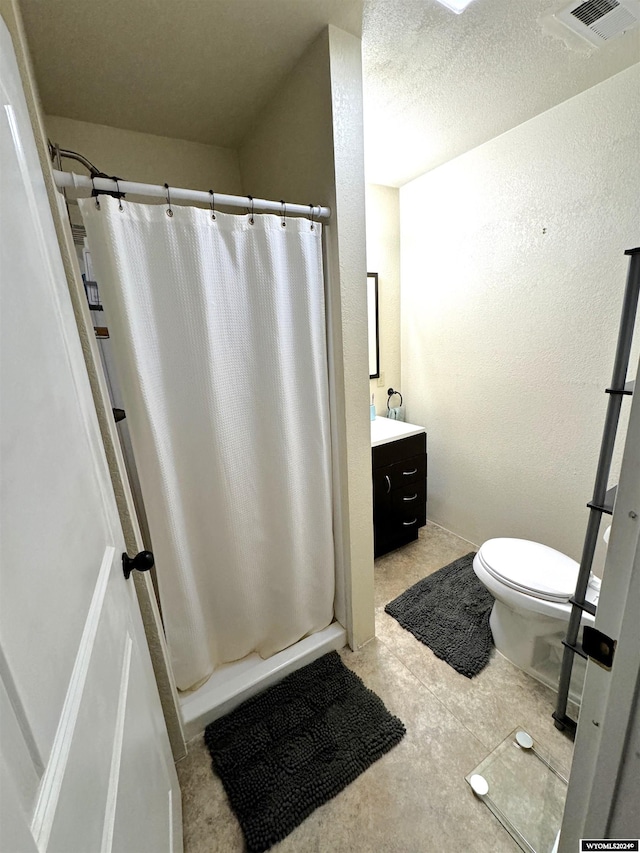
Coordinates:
(69,180)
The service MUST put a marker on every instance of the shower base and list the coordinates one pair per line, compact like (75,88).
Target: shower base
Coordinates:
(232,683)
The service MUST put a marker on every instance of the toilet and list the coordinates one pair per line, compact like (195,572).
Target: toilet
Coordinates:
(532,585)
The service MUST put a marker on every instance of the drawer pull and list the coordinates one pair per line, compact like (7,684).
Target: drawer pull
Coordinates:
(409,473)
(386,476)
(411,498)
(409,523)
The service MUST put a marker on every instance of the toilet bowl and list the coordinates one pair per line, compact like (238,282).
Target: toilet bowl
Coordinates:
(532,585)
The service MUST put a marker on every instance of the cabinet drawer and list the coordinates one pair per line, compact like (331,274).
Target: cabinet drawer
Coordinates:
(393,451)
(398,475)
(394,534)
(409,506)
(409,502)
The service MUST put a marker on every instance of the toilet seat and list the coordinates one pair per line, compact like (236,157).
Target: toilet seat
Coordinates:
(530,568)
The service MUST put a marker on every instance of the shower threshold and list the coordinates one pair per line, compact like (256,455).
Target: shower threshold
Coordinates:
(232,683)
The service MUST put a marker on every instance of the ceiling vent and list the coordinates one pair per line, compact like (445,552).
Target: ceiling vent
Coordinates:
(600,20)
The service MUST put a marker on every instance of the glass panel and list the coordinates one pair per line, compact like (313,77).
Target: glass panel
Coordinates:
(525,789)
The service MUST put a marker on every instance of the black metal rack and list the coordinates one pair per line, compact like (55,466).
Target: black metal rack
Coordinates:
(603,500)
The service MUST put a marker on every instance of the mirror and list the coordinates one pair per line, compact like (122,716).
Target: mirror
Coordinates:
(372,310)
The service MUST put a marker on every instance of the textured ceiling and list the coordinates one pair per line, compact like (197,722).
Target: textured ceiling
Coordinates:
(436,84)
(190,69)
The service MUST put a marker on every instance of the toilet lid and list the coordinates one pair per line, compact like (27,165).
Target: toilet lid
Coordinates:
(530,567)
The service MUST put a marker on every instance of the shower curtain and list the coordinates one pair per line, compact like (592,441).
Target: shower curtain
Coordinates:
(219,340)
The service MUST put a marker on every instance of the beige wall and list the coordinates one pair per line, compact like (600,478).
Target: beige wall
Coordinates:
(288,153)
(350,336)
(383,257)
(307,146)
(512,279)
(145,158)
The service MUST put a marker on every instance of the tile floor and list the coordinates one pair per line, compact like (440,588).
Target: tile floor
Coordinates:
(415,799)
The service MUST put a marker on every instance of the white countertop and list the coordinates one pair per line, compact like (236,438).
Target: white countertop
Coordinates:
(384,430)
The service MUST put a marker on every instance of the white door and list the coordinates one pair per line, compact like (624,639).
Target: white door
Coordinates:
(85,762)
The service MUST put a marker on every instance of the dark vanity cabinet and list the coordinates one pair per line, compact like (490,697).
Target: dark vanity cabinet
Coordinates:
(399,491)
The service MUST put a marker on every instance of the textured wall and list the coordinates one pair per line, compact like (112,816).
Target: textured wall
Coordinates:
(307,146)
(289,149)
(512,279)
(350,338)
(383,257)
(146,158)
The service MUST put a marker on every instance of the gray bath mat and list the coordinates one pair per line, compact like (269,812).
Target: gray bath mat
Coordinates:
(449,612)
(287,751)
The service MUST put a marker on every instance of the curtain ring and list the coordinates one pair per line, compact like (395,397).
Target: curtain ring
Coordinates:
(213,212)
(250,211)
(95,193)
(120,207)
(169,211)
(312,208)
(283,212)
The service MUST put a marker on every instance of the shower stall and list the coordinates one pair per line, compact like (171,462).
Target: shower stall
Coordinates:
(214,345)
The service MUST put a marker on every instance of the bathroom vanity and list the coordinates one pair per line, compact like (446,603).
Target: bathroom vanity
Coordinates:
(399,462)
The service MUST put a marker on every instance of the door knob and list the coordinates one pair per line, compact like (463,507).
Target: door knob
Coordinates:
(142,562)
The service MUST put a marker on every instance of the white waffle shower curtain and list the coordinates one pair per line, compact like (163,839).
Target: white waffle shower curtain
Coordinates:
(218,331)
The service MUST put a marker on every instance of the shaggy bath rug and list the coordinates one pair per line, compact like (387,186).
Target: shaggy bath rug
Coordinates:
(285,752)
(449,612)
